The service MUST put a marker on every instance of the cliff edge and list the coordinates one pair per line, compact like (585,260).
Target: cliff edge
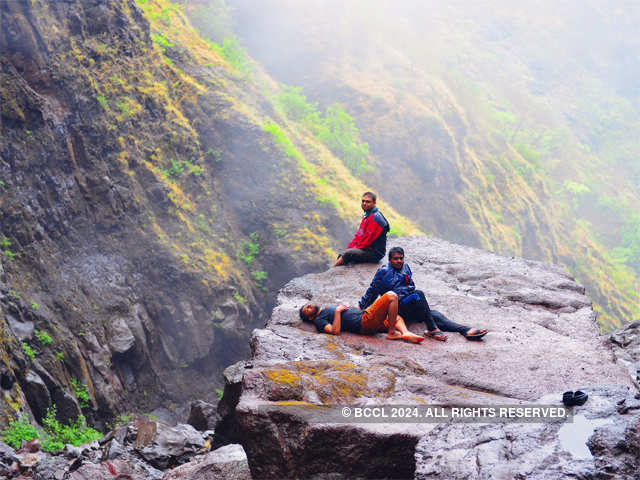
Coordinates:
(543,340)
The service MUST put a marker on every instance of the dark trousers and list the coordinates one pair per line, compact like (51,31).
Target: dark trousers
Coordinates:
(415,308)
(357,255)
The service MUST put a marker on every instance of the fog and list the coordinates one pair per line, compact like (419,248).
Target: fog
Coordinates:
(510,126)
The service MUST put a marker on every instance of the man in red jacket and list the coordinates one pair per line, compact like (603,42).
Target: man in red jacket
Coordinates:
(370,242)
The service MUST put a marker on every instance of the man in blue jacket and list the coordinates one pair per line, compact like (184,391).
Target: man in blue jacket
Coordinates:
(413,305)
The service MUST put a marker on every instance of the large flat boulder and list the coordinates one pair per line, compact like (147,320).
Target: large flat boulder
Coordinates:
(543,339)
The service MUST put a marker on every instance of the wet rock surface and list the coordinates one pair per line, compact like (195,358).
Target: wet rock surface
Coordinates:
(543,340)
(626,345)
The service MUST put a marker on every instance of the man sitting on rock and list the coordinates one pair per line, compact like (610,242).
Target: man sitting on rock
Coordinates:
(412,304)
(370,241)
(382,316)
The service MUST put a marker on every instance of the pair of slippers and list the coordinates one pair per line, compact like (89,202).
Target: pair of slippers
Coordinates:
(571,399)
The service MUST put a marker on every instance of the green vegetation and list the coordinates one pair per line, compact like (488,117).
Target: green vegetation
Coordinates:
(180,169)
(202,224)
(161,40)
(249,249)
(295,106)
(239,298)
(282,140)
(5,243)
(60,356)
(259,276)
(102,101)
(215,153)
(339,133)
(220,393)
(34,305)
(57,435)
(163,14)
(234,54)
(43,337)
(28,351)
(19,430)
(81,392)
(123,419)
(336,129)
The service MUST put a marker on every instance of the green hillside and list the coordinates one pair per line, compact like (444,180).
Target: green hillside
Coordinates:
(511,127)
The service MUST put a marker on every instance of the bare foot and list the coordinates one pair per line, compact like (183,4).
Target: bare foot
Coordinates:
(339,262)
(412,338)
(394,336)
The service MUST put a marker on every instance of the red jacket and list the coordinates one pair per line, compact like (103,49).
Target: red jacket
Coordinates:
(372,234)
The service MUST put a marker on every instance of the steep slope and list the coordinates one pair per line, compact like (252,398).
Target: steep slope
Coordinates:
(152,201)
(512,128)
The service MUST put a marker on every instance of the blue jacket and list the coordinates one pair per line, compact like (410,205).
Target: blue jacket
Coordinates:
(388,279)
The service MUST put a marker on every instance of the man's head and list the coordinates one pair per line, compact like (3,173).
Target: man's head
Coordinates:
(396,257)
(308,312)
(368,201)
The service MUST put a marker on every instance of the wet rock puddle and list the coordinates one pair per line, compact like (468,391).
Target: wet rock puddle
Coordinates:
(573,436)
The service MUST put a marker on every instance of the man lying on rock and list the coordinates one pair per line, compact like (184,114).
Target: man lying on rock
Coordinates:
(382,316)
(412,304)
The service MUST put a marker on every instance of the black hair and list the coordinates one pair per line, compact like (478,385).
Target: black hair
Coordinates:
(370,194)
(302,315)
(393,250)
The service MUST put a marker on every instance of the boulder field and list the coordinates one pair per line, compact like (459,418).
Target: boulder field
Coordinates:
(543,340)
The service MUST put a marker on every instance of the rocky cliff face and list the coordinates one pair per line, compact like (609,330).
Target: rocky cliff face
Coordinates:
(146,216)
(543,339)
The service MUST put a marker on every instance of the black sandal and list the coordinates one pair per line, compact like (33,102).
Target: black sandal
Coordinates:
(476,336)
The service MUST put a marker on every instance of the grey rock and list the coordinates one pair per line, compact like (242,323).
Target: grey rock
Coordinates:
(228,462)
(29,460)
(122,339)
(202,416)
(37,394)
(626,346)
(128,469)
(23,330)
(171,445)
(76,452)
(6,452)
(51,467)
(523,450)
(113,450)
(543,340)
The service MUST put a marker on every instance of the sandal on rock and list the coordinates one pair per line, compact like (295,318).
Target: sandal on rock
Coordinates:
(439,335)
(475,336)
(571,399)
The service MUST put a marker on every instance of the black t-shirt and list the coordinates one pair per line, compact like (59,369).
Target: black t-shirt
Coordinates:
(350,319)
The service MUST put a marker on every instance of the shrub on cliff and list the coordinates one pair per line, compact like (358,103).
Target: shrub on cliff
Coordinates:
(57,435)
(19,430)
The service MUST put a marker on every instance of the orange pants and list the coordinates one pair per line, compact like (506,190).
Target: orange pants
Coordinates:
(374,318)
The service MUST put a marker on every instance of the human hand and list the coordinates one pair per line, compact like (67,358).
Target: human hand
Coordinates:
(341,308)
